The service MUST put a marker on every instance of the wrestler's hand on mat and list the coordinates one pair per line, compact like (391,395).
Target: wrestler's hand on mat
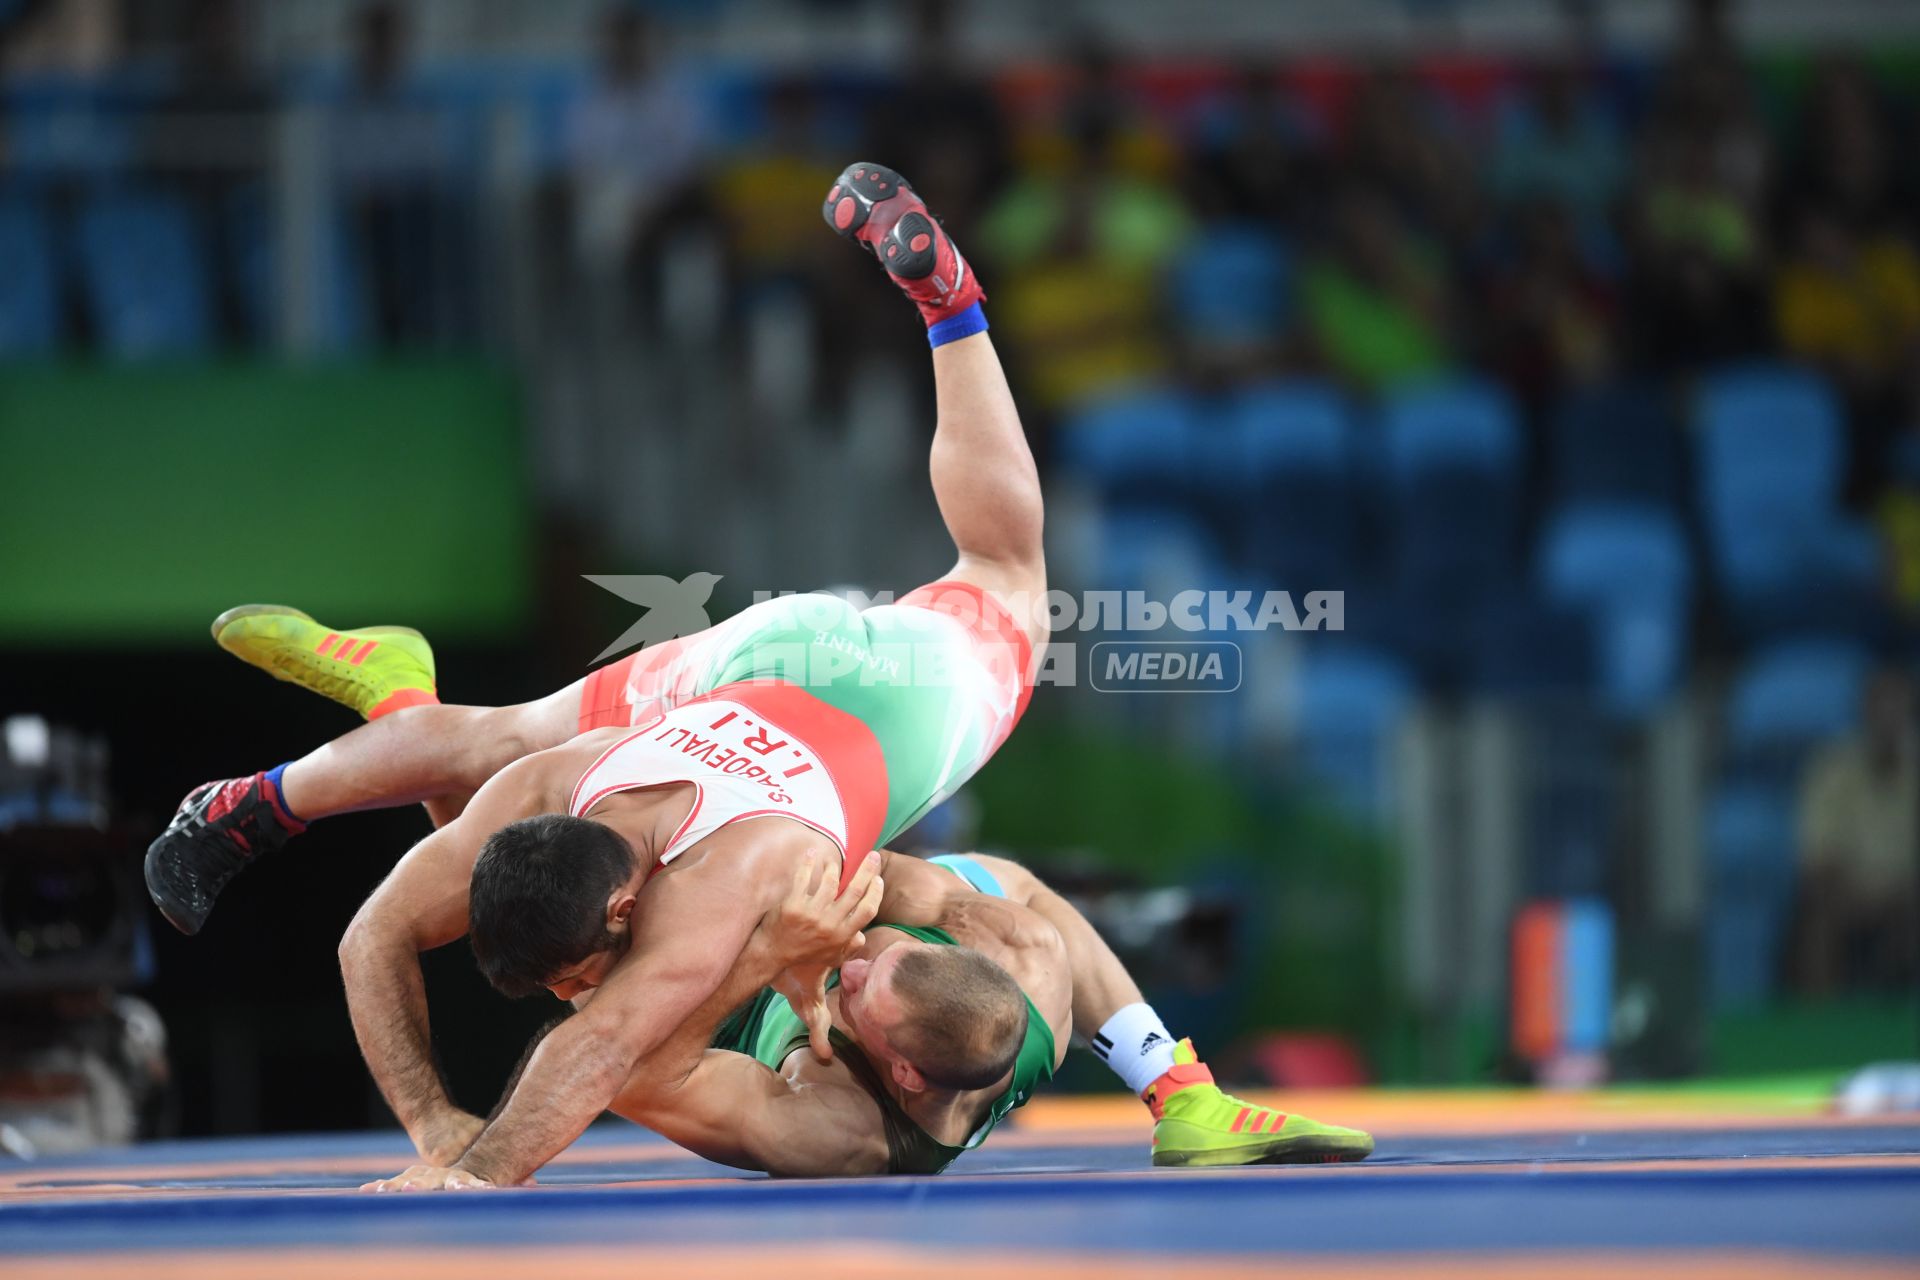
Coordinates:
(431,1177)
(813,931)
(446,1137)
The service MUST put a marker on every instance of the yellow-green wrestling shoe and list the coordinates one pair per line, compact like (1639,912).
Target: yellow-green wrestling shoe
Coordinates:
(1198,1125)
(374,670)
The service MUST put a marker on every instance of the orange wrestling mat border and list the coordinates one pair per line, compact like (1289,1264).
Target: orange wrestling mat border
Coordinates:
(1485,1111)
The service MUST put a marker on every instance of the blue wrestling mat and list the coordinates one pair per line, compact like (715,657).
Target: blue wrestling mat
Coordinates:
(1494,1182)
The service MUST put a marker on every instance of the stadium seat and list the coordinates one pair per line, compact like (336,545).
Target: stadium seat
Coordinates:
(1464,424)
(1452,454)
(145,275)
(1764,427)
(63,126)
(1140,448)
(1627,568)
(1280,426)
(1156,551)
(1749,836)
(1616,442)
(30,286)
(1232,285)
(1796,695)
(547,102)
(1772,454)
(339,317)
(1348,705)
(1292,451)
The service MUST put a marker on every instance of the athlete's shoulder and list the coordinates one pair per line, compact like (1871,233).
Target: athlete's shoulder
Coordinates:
(557,771)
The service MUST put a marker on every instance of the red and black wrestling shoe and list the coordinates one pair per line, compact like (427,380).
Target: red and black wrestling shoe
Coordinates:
(219,828)
(877,207)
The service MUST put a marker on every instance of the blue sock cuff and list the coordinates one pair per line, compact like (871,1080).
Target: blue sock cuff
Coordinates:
(969,322)
(279,791)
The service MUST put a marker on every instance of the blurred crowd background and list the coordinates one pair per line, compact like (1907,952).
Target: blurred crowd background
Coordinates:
(1577,343)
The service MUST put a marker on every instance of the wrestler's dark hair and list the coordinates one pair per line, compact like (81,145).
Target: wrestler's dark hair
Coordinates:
(538,901)
(965,1016)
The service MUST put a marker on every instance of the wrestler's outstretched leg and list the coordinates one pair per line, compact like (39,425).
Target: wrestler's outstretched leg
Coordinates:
(412,750)
(984,477)
(953,662)
(986,484)
(1195,1122)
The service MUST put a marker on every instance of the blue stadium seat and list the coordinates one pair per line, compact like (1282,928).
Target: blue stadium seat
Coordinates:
(145,274)
(339,318)
(1282,426)
(1157,551)
(1772,454)
(1750,856)
(64,126)
(1768,428)
(1452,455)
(30,284)
(463,98)
(1794,696)
(1617,442)
(1627,568)
(1464,424)
(1232,286)
(1348,706)
(1292,448)
(1140,447)
(547,103)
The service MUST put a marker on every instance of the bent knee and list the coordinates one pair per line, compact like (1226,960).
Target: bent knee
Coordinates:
(506,734)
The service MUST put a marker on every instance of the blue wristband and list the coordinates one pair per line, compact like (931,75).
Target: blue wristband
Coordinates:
(969,322)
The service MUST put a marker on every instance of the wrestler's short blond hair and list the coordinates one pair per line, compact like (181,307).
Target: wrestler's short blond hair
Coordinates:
(965,1017)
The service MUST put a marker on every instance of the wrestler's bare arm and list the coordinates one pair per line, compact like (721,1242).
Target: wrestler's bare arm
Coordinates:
(692,925)
(422,904)
(920,893)
(735,1111)
(730,1108)
(1027,946)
